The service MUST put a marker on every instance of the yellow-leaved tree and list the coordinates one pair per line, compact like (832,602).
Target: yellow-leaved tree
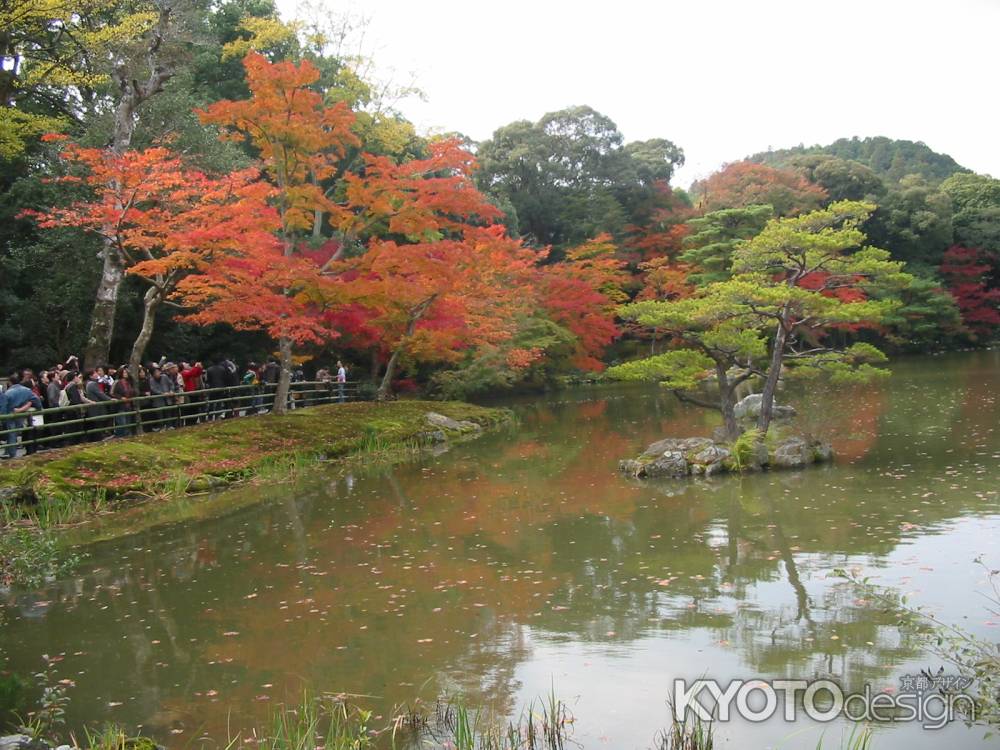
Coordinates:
(53,54)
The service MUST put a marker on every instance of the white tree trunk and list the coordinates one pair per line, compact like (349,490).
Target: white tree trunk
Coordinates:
(133,94)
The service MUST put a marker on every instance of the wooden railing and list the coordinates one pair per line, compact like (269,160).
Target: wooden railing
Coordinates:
(38,430)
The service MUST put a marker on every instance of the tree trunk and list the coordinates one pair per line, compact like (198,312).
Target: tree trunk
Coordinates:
(150,304)
(285,378)
(133,94)
(771,381)
(415,315)
(727,402)
(102,321)
(390,368)
(8,81)
(317,230)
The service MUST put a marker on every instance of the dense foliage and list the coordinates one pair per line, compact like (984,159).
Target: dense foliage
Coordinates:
(791,287)
(892,160)
(229,184)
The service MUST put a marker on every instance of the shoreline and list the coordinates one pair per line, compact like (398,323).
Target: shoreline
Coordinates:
(67,486)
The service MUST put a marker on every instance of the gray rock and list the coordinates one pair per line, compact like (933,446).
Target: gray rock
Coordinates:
(682,457)
(447,423)
(21,742)
(711,454)
(760,456)
(792,453)
(667,464)
(712,469)
(670,464)
(822,451)
(709,461)
(674,445)
(630,467)
(18,495)
(749,408)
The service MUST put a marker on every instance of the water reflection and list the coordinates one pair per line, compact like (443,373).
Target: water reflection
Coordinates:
(524,559)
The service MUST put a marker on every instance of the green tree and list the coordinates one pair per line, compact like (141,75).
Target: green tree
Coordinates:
(792,285)
(719,347)
(716,236)
(914,222)
(976,202)
(842,179)
(54,60)
(571,176)
(927,318)
(890,159)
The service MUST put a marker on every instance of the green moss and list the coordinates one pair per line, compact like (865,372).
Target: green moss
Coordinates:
(174,462)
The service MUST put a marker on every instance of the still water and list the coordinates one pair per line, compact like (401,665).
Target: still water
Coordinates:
(523,563)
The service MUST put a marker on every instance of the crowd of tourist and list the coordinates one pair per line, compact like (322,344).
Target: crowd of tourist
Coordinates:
(113,401)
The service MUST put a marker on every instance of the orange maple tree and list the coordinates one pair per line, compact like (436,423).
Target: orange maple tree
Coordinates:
(429,301)
(163,219)
(430,274)
(746,183)
(413,289)
(300,141)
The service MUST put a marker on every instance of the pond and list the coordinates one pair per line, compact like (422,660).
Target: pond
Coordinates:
(523,563)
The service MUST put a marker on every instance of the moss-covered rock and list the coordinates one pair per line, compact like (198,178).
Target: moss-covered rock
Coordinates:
(698,456)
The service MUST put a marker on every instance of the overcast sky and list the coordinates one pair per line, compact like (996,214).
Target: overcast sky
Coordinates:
(720,78)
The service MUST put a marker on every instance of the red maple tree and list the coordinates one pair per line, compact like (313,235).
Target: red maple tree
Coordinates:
(965,270)
(163,219)
(581,294)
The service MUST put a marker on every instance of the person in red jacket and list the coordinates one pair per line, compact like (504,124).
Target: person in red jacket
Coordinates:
(191,375)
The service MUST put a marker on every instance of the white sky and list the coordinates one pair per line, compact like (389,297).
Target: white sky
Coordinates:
(721,78)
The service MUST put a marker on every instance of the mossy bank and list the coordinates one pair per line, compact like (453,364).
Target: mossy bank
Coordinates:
(67,485)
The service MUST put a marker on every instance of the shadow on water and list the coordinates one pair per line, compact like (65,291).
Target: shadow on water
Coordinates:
(524,560)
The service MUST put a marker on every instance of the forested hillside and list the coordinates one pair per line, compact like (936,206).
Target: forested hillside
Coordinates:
(892,160)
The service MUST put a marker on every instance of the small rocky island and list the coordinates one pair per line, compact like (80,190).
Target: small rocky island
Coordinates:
(783,448)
